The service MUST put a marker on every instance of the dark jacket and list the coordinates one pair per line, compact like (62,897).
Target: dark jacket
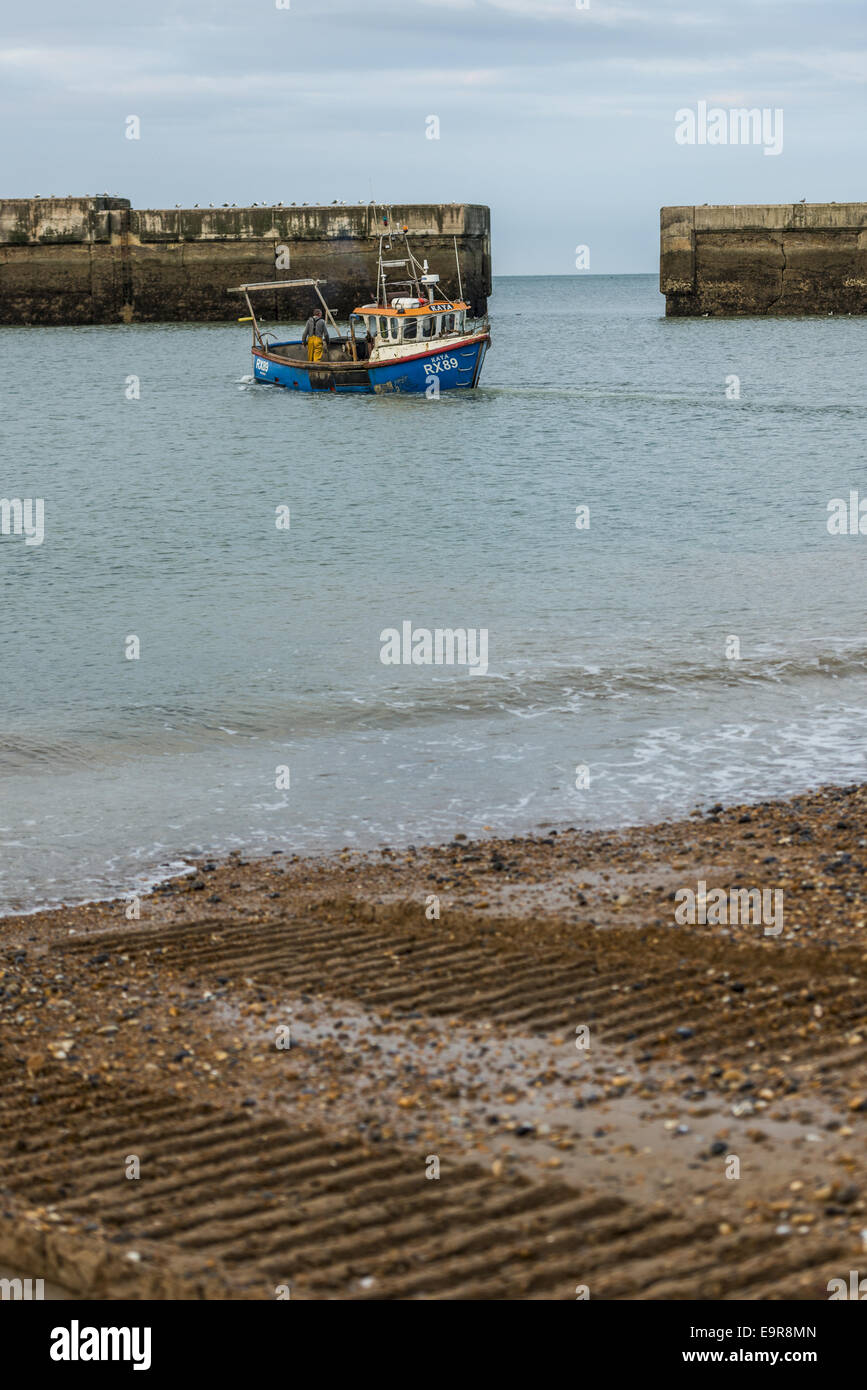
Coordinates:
(316,326)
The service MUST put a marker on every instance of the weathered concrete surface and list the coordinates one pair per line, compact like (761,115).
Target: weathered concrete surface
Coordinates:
(97,260)
(804,258)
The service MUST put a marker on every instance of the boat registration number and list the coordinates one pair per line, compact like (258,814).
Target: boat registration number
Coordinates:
(261,364)
(440,364)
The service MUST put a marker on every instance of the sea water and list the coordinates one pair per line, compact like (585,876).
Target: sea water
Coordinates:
(633,510)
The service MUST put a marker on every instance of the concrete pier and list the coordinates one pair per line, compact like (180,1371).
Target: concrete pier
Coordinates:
(98,260)
(797,259)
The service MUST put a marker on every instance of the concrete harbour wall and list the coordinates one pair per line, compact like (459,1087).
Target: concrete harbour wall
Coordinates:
(98,260)
(801,258)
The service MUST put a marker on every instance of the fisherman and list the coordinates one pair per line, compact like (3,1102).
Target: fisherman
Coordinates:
(315,336)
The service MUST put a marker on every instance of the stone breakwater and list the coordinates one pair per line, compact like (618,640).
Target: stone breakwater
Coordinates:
(796,259)
(99,260)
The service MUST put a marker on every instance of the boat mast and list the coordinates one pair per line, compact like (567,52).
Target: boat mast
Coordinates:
(458,264)
(381,288)
(415,270)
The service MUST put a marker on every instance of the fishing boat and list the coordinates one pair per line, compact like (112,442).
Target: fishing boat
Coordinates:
(417,341)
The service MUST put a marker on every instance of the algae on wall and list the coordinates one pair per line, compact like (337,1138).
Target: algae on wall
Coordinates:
(795,259)
(97,260)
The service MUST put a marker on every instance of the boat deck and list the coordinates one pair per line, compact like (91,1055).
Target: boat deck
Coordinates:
(336,353)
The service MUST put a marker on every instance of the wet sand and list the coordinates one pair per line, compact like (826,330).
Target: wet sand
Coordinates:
(707,1142)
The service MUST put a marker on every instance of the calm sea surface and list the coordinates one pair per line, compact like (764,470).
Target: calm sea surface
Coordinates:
(260,647)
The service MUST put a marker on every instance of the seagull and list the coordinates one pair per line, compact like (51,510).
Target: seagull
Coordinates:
(210,205)
(802,200)
(195,205)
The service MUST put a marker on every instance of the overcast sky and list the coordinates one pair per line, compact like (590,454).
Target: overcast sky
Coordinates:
(561,119)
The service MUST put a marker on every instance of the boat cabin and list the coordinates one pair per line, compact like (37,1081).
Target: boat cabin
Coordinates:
(411,321)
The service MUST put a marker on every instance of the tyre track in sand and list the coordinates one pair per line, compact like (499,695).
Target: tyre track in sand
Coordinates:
(235,1206)
(413,1038)
(657,992)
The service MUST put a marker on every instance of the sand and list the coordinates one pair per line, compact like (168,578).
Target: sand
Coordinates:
(432,1130)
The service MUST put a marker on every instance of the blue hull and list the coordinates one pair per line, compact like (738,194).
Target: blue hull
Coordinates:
(452,368)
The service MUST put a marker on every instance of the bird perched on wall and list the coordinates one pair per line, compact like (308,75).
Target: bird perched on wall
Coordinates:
(802,200)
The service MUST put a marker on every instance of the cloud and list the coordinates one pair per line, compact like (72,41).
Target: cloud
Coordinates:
(542,106)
